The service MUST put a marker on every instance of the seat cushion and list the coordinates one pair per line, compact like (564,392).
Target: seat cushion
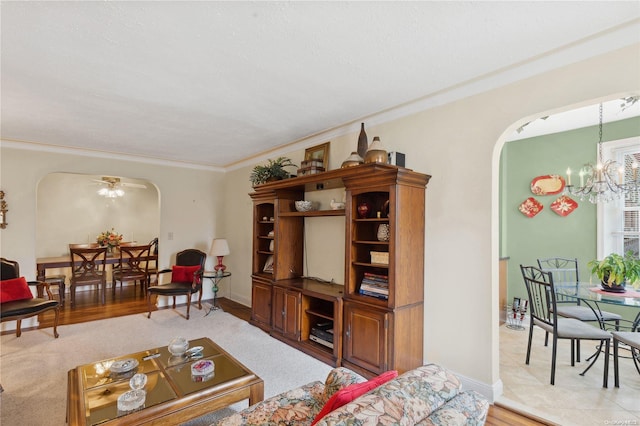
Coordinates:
(14,289)
(570,328)
(173,288)
(584,313)
(631,338)
(26,307)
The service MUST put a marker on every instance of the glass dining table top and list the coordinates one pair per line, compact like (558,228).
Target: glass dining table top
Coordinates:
(589,291)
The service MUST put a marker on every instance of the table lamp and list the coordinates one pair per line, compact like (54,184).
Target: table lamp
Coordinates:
(219,248)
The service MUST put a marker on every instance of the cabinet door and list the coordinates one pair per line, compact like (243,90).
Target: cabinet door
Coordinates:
(261,303)
(286,312)
(365,337)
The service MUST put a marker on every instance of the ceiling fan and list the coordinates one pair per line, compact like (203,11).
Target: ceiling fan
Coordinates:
(113,188)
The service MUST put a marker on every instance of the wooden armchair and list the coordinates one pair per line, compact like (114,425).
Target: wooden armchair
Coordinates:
(17,301)
(186,279)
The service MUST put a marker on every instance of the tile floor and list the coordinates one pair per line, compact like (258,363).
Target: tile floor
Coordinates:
(574,400)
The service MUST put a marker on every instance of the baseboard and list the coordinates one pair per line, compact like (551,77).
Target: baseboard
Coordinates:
(491,392)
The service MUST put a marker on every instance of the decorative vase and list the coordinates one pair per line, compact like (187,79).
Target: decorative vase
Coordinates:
(363,143)
(614,288)
(376,153)
(353,160)
(383,232)
(363,209)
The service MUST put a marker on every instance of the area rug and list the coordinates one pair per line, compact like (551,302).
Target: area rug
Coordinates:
(33,367)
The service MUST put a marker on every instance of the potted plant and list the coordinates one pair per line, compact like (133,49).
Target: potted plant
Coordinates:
(615,271)
(273,170)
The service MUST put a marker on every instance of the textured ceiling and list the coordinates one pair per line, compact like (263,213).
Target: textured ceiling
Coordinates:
(214,83)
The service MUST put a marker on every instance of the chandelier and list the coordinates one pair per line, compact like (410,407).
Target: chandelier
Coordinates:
(603,181)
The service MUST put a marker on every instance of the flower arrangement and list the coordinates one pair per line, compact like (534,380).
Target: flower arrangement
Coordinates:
(109,238)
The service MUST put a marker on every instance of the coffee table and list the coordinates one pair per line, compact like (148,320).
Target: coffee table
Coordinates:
(173,394)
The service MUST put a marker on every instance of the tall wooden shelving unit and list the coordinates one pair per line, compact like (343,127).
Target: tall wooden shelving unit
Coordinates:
(371,334)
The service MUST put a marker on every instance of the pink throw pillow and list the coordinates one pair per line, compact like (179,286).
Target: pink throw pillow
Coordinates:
(351,392)
(14,289)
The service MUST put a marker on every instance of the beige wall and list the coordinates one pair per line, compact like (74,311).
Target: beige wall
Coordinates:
(459,145)
(190,201)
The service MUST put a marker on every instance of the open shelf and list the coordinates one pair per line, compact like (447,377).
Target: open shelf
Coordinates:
(313,213)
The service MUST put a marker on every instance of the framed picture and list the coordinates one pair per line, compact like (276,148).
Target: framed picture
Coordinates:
(318,153)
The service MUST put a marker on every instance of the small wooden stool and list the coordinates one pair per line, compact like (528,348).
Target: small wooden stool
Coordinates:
(59,281)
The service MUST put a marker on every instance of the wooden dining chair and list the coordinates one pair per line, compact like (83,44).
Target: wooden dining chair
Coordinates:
(88,264)
(544,314)
(133,266)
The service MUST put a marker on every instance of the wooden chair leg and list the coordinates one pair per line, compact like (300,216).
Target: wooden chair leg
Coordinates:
(188,304)
(174,302)
(149,304)
(55,322)
(18,328)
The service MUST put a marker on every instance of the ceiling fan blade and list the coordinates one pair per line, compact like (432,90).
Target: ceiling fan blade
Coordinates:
(133,185)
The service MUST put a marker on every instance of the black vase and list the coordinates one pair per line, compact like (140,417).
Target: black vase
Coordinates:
(363,143)
(613,288)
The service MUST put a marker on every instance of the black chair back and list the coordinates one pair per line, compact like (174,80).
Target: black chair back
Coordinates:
(542,297)
(9,269)
(191,257)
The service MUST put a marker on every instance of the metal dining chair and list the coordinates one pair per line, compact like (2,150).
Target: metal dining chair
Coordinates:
(631,339)
(565,271)
(544,314)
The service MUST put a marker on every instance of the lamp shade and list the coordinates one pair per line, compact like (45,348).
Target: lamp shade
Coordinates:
(219,247)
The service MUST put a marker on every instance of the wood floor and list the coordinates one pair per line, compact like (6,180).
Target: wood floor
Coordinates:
(129,301)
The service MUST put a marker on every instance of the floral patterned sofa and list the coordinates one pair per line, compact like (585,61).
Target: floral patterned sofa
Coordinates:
(427,395)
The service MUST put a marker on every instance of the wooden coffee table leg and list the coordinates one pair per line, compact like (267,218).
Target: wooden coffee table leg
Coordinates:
(256,393)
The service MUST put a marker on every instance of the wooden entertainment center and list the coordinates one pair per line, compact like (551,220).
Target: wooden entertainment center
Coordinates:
(371,332)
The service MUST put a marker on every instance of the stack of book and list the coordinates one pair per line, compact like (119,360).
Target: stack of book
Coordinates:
(375,285)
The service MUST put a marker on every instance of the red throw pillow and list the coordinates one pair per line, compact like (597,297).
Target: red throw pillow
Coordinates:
(183,274)
(14,289)
(351,392)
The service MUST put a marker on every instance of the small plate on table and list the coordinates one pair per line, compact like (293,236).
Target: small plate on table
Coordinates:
(194,351)
(123,365)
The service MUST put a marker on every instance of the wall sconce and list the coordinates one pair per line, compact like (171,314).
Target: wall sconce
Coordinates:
(3,211)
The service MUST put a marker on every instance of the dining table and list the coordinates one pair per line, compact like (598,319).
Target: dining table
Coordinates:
(55,262)
(594,295)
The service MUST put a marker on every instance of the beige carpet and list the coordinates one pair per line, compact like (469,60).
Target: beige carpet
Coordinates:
(33,368)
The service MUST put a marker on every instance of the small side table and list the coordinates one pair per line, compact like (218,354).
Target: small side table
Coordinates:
(215,278)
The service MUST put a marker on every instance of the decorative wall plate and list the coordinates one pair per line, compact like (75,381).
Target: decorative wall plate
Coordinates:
(530,207)
(547,185)
(564,205)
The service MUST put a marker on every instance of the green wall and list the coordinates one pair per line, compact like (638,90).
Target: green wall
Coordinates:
(547,234)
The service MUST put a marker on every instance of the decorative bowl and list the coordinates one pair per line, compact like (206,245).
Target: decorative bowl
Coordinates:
(304,206)
(178,346)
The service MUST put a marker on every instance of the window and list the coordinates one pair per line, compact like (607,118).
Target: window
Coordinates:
(619,221)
